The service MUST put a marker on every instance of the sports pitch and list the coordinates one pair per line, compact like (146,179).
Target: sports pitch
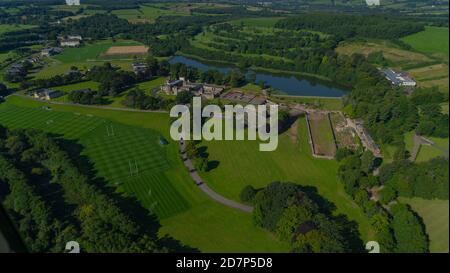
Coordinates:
(129,158)
(186,213)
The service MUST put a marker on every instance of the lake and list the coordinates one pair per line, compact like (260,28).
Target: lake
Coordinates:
(286,84)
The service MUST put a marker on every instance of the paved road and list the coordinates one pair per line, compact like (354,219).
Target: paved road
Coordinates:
(204,187)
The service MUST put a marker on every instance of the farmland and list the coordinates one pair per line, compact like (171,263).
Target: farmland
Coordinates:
(427,68)
(435,217)
(146,14)
(422,41)
(162,185)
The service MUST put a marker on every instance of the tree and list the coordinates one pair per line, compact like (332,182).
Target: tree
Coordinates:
(184,97)
(3,89)
(248,194)
(388,194)
(290,220)
(408,230)
(367,162)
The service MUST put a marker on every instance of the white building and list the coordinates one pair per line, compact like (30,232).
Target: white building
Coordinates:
(73,2)
(373,2)
(398,78)
(75,37)
(70,42)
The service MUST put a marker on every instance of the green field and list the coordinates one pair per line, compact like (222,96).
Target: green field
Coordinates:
(162,185)
(8,28)
(433,40)
(91,51)
(240,163)
(427,68)
(435,216)
(126,156)
(148,13)
(84,57)
(428,152)
(257,22)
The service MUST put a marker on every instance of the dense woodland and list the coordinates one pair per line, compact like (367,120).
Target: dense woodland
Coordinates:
(52,202)
(428,180)
(393,227)
(299,216)
(344,26)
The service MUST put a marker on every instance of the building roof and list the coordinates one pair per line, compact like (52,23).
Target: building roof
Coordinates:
(84,90)
(396,78)
(174,82)
(71,41)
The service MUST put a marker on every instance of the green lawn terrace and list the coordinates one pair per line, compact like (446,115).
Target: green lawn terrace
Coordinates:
(162,184)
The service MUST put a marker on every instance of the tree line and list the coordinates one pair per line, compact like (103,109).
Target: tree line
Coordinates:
(344,26)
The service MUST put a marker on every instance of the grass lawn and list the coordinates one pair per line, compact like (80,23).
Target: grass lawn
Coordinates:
(257,22)
(4,28)
(162,185)
(240,163)
(427,152)
(435,217)
(77,86)
(251,88)
(90,51)
(147,87)
(445,108)
(147,13)
(433,40)
(84,57)
(126,156)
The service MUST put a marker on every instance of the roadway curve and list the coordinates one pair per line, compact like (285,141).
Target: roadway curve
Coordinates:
(204,187)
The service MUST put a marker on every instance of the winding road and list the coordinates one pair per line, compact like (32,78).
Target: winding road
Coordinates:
(204,187)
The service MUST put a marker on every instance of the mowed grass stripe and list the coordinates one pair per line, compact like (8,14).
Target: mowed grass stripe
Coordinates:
(153,188)
(111,155)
